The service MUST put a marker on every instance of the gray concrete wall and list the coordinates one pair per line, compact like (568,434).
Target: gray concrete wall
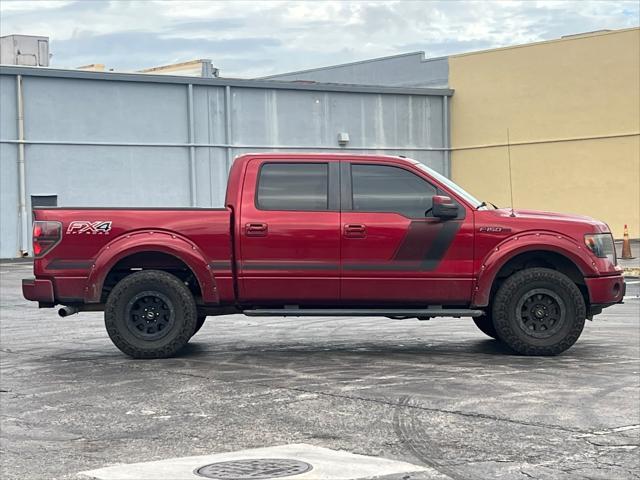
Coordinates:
(97,139)
(408,70)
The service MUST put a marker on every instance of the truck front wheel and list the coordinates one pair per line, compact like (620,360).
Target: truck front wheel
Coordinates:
(150,314)
(485,325)
(539,311)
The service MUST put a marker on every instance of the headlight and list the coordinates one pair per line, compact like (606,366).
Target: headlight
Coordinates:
(601,244)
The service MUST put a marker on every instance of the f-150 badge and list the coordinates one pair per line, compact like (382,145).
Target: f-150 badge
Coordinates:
(494,230)
(92,228)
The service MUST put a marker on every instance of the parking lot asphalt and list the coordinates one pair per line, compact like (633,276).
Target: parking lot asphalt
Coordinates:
(436,394)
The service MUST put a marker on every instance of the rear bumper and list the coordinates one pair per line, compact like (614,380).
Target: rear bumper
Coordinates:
(605,291)
(38,290)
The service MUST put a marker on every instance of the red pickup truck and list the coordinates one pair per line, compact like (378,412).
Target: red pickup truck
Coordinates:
(327,235)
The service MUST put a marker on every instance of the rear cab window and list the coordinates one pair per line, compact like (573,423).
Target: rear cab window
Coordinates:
(293,186)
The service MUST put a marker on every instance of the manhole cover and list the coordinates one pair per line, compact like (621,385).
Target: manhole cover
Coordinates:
(254,469)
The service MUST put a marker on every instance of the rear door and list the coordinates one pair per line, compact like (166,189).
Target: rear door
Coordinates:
(393,250)
(290,232)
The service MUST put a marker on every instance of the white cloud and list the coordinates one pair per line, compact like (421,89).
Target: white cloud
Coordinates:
(260,38)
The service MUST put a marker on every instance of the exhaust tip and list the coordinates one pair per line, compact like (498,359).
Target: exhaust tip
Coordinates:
(66,311)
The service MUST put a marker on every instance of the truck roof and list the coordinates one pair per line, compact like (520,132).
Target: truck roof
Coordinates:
(341,155)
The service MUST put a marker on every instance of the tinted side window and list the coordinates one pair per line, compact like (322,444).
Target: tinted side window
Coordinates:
(293,186)
(379,188)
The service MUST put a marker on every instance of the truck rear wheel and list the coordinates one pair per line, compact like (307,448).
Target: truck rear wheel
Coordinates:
(199,323)
(539,311)
(150,314)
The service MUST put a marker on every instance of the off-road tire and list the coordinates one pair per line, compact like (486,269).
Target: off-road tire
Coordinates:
(485,325)
(181,300)
(199,323)
(523,285)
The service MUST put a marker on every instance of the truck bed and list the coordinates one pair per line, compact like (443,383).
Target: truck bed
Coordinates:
(88,232)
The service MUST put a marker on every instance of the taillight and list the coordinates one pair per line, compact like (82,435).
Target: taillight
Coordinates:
(45,236)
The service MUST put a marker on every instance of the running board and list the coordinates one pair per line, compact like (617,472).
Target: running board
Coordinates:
(359,312)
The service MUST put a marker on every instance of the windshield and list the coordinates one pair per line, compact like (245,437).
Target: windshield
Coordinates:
(445,181)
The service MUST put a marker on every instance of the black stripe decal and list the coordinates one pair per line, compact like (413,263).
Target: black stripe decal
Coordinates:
(70,264)
(397,266)
(422,249)
(221,265)
(249,265)
(440,245)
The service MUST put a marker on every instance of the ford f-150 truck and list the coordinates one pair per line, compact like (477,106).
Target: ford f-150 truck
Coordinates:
(327,235)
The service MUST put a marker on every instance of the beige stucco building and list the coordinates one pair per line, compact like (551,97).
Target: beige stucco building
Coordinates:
(572,107)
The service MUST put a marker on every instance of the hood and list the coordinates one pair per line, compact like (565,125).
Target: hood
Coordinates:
(574,225)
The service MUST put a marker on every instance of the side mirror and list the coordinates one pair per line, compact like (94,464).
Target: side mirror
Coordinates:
(444,207)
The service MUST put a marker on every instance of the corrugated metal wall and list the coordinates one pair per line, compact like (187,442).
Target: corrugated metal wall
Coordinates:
(126,140)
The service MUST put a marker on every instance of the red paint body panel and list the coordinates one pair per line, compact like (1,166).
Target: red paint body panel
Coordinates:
(297,260)
(606,290)
(244,256)
(400,276)
(197,237)
(38,290)
(532,231)
(70,289)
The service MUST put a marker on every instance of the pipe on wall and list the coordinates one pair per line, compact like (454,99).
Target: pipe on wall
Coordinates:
(221,145)
(192,148)
(447,137)
(22,180)
(227,124)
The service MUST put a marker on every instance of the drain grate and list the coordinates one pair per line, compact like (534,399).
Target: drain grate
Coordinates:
(254,469)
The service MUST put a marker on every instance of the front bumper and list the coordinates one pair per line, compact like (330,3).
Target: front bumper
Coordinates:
(38,290)
(605,291)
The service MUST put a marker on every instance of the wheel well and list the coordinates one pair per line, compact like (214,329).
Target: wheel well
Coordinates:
(150,261)
(545,259)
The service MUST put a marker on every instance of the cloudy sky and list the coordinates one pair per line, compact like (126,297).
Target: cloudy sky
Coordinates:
(249,39)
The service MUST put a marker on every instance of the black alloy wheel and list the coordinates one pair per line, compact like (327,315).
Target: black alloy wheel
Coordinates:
(150,315)
(539,311)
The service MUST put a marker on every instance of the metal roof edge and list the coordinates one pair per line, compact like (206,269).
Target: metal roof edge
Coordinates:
(349,64)
(220,82)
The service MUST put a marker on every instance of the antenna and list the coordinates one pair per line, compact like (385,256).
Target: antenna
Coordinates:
(510,179)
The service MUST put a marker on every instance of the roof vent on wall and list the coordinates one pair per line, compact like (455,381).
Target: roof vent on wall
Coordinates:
(28,50)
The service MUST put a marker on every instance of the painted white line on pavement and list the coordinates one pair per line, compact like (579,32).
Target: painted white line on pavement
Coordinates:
(327,465)
(610,431)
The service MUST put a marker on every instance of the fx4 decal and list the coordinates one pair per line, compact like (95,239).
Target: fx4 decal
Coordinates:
(93,228)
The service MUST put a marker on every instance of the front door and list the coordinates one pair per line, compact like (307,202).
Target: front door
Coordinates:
(393,250)
(290,233)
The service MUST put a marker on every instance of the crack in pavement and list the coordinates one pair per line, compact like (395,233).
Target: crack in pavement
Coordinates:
(402,429)
(343,396)
(396,404)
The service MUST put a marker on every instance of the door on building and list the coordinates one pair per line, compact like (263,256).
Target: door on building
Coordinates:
(44,201)
(290,232)
(392,248)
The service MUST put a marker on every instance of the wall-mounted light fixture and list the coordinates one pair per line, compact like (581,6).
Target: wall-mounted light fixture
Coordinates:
(343,139)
